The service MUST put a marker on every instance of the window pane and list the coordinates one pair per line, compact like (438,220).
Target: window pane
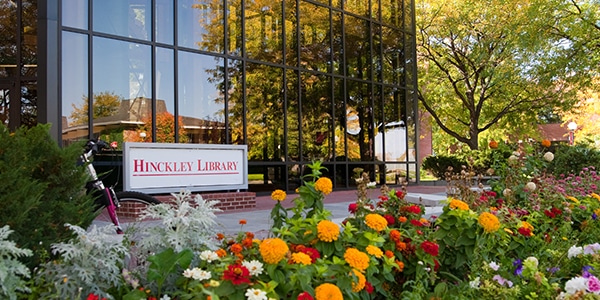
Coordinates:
(8,39)
(264,30)
(338,43)
(393,62)
(200,25)
(358,49)
(317,135)
(75,86)
(234,27)
(264,104)
(391,12)
(164,21)
(29,102)
(314,39)
(122,86)
(359,7)
(235,105)
(75,13)
(129,18)
(200,102)
(292,113)
(165,81)
(291,36)
(29,39)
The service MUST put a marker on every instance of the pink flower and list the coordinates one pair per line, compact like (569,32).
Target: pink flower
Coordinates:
(593,285)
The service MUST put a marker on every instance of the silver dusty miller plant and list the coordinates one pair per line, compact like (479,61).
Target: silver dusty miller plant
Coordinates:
(12,272)
(186,223)
(91,262)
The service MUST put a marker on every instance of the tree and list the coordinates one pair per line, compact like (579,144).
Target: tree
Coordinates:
(165,130)
(106,104)
(489,64)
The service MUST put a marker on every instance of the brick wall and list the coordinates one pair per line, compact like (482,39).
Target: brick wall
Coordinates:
(227,201)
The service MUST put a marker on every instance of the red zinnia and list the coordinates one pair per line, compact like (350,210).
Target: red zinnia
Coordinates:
(416,223)
(415,209)
(237,274)
(383,198)
(368,287)
(94,297)
(430,248)
(400,194)
(352,208)
(312,252)
(390,219)
(305,296)
(549,214)
(525,231)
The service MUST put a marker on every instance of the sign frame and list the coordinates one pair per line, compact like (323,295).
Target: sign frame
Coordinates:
(159,165)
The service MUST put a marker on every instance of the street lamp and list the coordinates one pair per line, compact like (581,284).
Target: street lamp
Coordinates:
(572,126)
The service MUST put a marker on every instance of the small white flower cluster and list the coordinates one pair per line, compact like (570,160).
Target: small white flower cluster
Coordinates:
(549,156)
(209,256)
(197,274)
(256,294)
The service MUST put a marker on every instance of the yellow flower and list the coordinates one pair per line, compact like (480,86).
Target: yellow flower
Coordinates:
(457,204)
(573,199)
(597,211)
(376,222)
(324,185)
(358,286)
(526,225)
(508,231)
(489,222)
(328,291)
(328,231)
(356,259)
(301,258)
(375,251)
(595,196)
(273,250)
(278,195)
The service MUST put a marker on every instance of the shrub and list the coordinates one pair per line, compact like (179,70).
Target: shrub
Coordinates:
(572,159)
(41,188)
(438,165)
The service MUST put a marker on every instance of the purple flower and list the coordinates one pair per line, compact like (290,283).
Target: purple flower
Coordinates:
(591,248)
(586,271)
(594,216)
(519,264)
(553,270)
(502,281)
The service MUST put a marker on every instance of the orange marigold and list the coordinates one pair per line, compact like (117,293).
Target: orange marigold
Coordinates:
(328,291)
(247,243)
(221,252)
(301,258)
(273,250)
(389,254)
(324,185)
(400,265)
(457,204)
(527,225)
(402,219)
(356,259)
(236,248)
(546,143)
(395,235)
(360,282)
(489,222)
(328,231)
(376,222)
(493,144)
(278,195)
(375,251)
(595,196)
(220,236)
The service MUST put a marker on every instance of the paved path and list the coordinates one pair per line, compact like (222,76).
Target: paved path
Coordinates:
(258,219)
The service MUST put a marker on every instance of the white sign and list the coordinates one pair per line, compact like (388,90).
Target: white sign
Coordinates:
(163,167)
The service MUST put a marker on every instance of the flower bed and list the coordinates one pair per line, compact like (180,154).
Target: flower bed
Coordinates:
(537,241)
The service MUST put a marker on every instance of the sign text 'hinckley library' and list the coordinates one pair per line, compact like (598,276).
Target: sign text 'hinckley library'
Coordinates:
(162,167)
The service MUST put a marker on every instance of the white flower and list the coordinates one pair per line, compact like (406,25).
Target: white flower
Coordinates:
(474,284)
(494,266)
(165,297)
(531,262)
(574,251)
(507,192)
(530,186)
(255,294)
(372,184)
(255,267)
(208,255)
(549,156)
(197,274)
(575,285)
(513,158)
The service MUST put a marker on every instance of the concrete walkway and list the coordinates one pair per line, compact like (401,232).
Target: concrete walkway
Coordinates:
(259,222)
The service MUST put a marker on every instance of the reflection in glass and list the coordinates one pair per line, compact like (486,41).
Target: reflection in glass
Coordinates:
(8,39)
(200,101)
(236,116)
(314,38)
(129,18)
(75,86)
(358,7)
(75,13)
(164,21)
(291,34)
(29,39)
(234,27)
(200,25)
(338,43)
(4,105)
(317,135)
(359,121)
(29,101)
(391,12)
(292,111)
(122,78)
(357,47)
(392,69)
(264,30)
(264,104)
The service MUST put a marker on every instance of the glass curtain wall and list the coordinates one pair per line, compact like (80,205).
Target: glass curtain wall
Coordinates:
(294,80)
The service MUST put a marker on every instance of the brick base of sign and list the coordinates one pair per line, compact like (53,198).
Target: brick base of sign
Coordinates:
(233,201)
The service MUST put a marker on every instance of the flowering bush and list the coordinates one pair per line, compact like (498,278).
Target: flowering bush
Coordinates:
(492,247)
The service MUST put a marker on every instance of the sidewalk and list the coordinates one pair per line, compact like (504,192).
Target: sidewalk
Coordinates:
(259,221)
